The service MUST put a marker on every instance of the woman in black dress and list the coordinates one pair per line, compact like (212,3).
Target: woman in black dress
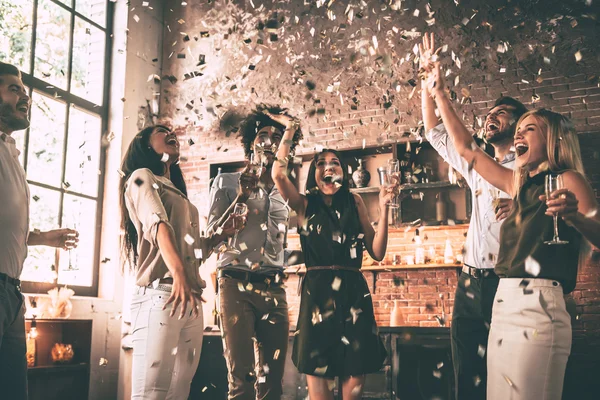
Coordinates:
(336,333)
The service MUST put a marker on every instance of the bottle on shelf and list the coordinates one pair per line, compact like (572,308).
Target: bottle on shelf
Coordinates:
(440,208)
(448,253)
(420,250)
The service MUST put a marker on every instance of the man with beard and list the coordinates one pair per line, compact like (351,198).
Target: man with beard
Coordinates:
(252,303)
(477,284)
(15,235)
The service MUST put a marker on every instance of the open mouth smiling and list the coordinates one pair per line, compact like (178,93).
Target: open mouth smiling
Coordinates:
(521,148)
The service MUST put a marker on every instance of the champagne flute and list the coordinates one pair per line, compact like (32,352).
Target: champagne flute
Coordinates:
(392,177)
(553,183)
(239,210)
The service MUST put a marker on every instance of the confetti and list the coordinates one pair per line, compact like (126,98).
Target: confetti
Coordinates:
(578,56)
(337,281)
(532,267)
(189,239)
(103,362)
(481,351)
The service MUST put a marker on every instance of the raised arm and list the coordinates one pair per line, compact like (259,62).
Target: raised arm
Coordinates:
(279,171)
(465,145)
(427,55)
(577,205)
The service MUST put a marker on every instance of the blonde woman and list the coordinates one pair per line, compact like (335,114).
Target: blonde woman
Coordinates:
(530,335)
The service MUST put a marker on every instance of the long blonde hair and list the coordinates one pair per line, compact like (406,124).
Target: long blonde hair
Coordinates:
(562,145)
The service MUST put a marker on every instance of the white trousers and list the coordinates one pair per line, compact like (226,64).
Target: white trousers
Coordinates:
(166,350)
(529,342)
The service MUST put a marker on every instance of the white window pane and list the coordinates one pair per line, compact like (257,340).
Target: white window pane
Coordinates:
(16,17)
(94,10)
(77,266)
(87,80)
(43,215)
(46,140)
(83,152)
(52,43)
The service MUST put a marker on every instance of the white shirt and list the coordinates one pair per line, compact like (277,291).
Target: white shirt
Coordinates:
(262,240)
(14,209)
(483,236)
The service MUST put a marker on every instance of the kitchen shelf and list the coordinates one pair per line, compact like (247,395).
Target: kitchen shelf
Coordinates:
(430,185)
(409,186)
(368,189)
(58,368)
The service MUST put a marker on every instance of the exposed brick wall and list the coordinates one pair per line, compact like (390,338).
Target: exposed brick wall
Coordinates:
(363,95)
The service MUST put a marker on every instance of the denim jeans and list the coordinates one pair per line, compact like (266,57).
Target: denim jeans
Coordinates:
(13,362)
(166,350)
(471,318)
(255,329)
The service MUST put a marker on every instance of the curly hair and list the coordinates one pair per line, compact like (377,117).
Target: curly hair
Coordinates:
(257,120)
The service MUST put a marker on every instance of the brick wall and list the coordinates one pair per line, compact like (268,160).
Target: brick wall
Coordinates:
(360,57)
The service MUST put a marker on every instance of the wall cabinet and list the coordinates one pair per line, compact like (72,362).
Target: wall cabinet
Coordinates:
(428,194)
(66,380)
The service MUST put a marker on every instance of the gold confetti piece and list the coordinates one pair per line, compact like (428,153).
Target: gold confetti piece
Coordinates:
(437,374)
(189,239)
(198,253)
(164,158)
(532,267)
(155,185)
(507,379)
(353,252)
(103,362)
(320,370)
(243,246)
(241,287)
(481,350)
(476,380)
(136,18)
(345,340)
(337,281)
(440,365)
(578,56)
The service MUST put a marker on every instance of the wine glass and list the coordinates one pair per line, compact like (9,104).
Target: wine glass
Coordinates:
(239,210)
(391,178)
(553,183)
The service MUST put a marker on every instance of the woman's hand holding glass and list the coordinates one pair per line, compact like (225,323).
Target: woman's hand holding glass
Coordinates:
(560,202)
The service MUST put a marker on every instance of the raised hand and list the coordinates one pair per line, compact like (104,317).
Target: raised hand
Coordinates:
(283,119)
(428,62)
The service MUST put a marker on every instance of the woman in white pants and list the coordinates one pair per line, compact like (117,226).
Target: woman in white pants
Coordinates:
(530,336)
(163,245)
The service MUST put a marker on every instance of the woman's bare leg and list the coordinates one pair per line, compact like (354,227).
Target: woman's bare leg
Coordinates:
(352,387)
(318,388)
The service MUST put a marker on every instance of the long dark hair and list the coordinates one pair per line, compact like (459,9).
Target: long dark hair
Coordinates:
(311,180)
(141,155)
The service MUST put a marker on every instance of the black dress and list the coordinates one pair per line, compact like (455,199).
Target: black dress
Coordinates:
(336,332)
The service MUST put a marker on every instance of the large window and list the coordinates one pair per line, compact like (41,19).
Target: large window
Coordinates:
(63,49)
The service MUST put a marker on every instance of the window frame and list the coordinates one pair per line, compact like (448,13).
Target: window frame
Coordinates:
(101,110)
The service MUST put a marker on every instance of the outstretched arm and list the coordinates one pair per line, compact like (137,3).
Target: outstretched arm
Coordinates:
(280,167)
(499,176)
